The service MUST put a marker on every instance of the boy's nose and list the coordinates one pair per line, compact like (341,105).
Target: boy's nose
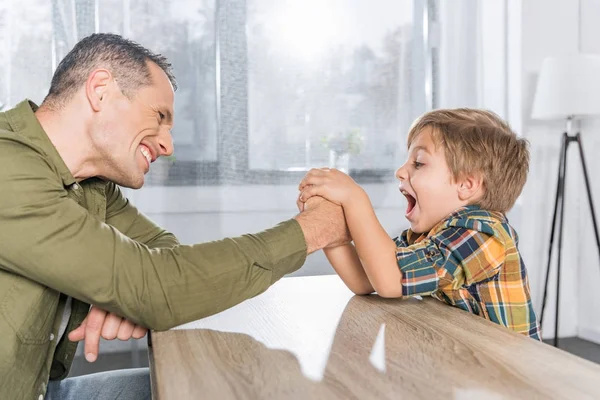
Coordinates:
(401,173)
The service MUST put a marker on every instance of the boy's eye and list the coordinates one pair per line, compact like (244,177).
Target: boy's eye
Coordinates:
(417,164)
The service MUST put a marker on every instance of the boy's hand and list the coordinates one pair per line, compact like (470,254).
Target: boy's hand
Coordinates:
(331,184)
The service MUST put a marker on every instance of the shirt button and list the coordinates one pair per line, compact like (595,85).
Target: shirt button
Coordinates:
(75,186)
(41,397)
(51,336)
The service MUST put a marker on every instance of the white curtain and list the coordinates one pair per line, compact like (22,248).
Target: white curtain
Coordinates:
(25,50)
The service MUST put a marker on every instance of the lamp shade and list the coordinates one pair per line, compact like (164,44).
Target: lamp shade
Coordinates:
(568,87)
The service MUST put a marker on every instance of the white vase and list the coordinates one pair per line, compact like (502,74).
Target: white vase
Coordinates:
(339,161)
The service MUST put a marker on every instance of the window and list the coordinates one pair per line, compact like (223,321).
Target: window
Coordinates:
(267,88)
(313,82)
(334,75)
(182,30)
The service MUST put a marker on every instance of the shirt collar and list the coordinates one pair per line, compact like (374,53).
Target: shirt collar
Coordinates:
(23,121)
(467,212)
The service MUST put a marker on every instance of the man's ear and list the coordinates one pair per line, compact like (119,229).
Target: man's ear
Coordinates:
(96,87)
(470,187)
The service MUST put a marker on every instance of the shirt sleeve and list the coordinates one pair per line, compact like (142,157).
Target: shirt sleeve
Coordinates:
(121,214)
(420,277)
(455,257)
(50,239)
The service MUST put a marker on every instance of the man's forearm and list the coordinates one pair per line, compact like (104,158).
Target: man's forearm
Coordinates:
(346,263)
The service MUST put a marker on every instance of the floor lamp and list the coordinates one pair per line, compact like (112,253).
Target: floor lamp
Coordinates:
(568,89)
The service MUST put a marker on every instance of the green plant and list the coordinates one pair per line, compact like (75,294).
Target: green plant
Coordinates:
(349,141)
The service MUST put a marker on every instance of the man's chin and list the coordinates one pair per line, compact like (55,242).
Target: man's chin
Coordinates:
(132,183)
(138,184)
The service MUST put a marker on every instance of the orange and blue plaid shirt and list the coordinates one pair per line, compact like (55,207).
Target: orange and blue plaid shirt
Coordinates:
(470,260)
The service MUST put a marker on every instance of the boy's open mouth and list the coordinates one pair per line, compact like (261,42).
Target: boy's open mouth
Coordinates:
(411,201)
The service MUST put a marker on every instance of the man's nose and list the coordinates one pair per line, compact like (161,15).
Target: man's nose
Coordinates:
(165,143)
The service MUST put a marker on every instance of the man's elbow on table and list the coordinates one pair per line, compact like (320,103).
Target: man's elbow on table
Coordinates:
(160,326)
(160,321)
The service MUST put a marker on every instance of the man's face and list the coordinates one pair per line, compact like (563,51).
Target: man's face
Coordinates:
(427,183)
(131,134)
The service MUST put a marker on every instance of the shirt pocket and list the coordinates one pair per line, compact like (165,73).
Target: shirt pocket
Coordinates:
(29,309)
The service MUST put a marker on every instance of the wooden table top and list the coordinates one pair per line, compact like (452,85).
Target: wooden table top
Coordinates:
(309,337)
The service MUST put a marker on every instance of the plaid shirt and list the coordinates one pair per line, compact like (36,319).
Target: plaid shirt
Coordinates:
(470,260)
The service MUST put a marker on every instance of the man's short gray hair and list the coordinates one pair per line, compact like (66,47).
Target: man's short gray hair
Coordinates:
(124,58)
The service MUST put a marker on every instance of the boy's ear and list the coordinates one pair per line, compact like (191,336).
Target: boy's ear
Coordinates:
(470,187)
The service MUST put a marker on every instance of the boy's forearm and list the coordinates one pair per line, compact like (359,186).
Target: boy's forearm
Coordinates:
(376,249)
(346,263)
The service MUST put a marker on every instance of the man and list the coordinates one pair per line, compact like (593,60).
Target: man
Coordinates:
(70,239)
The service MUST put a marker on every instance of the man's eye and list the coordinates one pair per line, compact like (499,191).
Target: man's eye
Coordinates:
(161,115)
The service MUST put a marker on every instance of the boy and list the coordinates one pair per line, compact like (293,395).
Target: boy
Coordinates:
(465,170)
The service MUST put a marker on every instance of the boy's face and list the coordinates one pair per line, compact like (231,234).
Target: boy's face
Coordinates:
(427,183)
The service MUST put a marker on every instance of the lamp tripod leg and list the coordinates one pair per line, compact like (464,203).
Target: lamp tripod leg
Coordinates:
(557,201)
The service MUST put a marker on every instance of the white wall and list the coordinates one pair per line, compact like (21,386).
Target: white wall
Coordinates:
(555,28)
(589,271)
(549,28)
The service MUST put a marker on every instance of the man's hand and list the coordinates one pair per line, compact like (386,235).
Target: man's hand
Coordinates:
(108,325)
(322,223)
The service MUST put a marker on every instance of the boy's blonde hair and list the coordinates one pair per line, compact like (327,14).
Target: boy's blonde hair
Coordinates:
(480,142)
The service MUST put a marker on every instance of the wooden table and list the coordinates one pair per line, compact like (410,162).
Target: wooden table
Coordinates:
(309,337)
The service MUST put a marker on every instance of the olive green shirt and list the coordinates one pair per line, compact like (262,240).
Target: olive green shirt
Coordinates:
(61,238)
